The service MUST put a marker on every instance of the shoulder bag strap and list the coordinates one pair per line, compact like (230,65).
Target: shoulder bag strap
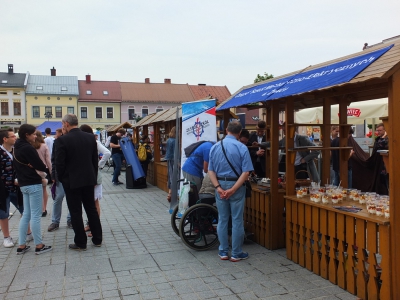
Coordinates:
(223,150)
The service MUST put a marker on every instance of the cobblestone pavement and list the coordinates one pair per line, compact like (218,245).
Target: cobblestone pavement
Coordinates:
(142,258)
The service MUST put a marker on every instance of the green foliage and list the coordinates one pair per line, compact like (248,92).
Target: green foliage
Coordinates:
(99,128)
(260,78)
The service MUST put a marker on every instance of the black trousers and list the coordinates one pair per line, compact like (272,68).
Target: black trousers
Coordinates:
(301,175)
(75,199)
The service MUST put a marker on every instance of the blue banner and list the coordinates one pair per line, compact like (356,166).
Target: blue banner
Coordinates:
(330,75)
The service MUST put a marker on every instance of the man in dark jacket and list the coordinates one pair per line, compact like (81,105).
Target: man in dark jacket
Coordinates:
(258,155)
(77,166)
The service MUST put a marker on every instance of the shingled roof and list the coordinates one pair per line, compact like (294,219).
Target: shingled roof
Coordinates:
(221,93)
(155,92)
(99,91)
(12,80)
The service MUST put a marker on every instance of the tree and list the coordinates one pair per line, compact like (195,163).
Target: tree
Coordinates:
(260,78)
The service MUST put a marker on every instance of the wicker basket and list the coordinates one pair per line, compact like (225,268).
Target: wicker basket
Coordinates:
(302,182)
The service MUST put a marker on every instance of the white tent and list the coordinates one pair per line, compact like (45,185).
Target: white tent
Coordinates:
(357,112)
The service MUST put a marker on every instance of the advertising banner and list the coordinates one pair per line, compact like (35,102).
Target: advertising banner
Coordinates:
(306,81)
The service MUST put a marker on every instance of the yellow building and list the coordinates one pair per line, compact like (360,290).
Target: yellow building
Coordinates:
(49,98)
(99,103)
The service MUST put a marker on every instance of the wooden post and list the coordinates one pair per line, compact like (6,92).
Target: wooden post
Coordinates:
(394,161)
(277,201)
(343,133)
(326,135)
(157,150)
(289,117)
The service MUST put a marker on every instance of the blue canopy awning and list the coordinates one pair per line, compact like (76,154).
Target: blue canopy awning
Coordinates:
(53,125)
(305,81)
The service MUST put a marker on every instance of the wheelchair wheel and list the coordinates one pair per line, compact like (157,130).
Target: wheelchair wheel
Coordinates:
(175,220)
(198,227)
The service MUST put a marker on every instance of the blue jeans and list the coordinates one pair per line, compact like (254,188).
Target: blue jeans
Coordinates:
(12,197)
(117,160)
(234,206)
(336,179)
(57,204)
(33,199)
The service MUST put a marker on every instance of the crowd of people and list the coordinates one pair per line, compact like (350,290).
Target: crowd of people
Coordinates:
(70,161)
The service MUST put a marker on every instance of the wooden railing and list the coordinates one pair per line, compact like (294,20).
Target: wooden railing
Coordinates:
(349,249)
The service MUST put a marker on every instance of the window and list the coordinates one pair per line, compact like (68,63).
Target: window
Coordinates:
(48,109)
(58,112)
(4,108)
(4,81)
(35,112)
(17,93)
(17,108)
(105,93)
(70,110)
(84,113)
(145,111)
(110,112)
(99,112)
(131,114)
(159,108)
(64,88)
(39,87)
(3,93)
(88,92)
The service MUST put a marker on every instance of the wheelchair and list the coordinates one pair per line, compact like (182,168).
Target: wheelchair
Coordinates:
(198,225)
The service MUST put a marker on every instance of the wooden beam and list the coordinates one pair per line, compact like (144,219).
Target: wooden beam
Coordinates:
(394,161)
(326,136)
(276,201)
(343,133)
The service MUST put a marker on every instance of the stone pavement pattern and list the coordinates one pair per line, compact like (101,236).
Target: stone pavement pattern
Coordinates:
(142,258)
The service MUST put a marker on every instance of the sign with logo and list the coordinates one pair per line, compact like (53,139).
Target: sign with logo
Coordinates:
(10,122)
(353,112)
(198,123)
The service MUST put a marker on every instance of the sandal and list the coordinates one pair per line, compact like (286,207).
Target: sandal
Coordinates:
(90,234)
(87,228)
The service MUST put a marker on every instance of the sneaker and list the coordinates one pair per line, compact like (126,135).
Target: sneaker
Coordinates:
(75,247)
(115,183)
(69,224)
(53,226)
(96,245)
(241,256)
(42,250)
(8,242)
(44,213)
(29,237)
(119,182)
(223,255)
(21,251)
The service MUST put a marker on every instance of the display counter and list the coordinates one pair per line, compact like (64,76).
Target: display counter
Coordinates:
(161,175)
(349,249)
(264,217)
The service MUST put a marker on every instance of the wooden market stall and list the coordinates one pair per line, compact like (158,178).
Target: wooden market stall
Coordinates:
(357,251)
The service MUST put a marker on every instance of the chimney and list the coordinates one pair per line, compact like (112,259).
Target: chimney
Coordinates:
(53,72)
(88,79)
(147,80)
(10,69)
(167,80)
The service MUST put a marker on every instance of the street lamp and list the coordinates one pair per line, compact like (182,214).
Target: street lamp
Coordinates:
(48,115)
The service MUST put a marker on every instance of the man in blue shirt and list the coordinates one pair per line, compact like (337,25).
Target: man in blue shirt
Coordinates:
(230,190)
(196,163)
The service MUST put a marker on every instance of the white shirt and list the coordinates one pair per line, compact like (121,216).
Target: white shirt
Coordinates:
(49,143)
(106,154)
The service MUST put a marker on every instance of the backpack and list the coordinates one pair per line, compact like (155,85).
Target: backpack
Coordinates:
(189,149)
(142,152)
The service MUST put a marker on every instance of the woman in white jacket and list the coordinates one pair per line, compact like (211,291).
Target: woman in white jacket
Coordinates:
(98,189)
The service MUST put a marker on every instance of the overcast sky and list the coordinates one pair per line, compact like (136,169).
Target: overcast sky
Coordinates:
(219,42)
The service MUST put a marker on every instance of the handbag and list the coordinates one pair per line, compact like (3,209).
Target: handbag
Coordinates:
(247,183)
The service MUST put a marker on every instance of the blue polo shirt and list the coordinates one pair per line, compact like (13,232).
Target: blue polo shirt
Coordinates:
(237,153)
(194,164)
